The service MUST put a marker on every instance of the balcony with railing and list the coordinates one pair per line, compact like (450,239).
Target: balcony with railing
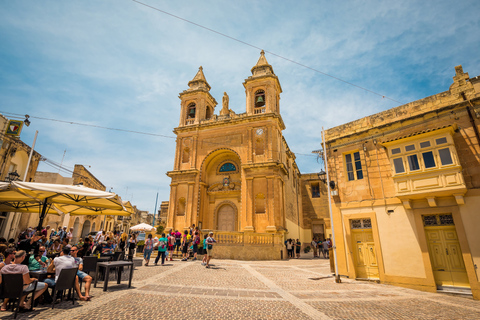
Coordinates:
(259,110)
(189,122)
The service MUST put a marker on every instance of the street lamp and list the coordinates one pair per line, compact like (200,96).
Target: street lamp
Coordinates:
(12,176)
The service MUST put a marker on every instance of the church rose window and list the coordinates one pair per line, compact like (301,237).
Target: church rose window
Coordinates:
(227,167)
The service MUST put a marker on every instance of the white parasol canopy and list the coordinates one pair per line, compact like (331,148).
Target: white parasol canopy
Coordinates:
(142,227)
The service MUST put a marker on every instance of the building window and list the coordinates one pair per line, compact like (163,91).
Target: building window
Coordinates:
(428,159)
(438,220)
(398,163)
(227,167)
(315,190)
(422,155)
(361,223)
(191,111)
(445,156)
(208,113)
(413,162)
(260,203)
(354,166)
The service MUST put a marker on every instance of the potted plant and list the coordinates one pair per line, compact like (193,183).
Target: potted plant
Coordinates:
(307,249)
(140,246)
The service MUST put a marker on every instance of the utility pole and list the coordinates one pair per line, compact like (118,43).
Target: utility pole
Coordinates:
(325,162)
(155,211)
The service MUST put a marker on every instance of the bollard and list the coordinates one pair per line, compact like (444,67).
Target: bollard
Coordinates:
(281,254)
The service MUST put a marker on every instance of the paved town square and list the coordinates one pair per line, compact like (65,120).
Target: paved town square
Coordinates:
(293,289)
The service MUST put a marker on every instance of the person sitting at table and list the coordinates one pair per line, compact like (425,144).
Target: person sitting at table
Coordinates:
(36,262)
(98,249)
(108,248)
(82,276)
(56,246)
(29,245)
(9,257)
(65,243)
(80,243)
(65,261)
(85,249)
(28,283)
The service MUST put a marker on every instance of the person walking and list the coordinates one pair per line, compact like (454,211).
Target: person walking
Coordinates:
(178,240)
(187,239)
(162,248)
(210,241)
(326,253)
(132,243)
(148,249)
(204,260)
(196,242)
(298,246)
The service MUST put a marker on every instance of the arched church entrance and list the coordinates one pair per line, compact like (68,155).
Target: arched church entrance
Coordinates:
(226,218)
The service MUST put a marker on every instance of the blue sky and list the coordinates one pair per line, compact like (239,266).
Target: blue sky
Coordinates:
(120,64)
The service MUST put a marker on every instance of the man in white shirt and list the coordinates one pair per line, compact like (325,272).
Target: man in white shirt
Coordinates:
(65,261)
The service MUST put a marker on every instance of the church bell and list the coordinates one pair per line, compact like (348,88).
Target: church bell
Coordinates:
(259,99)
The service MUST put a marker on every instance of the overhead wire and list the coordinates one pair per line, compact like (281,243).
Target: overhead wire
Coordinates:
(138,132)
(267,51)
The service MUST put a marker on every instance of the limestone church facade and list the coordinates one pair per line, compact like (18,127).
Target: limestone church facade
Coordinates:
(235,174)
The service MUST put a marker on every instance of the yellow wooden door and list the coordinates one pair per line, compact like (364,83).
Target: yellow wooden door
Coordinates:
(446,256)
(365,257)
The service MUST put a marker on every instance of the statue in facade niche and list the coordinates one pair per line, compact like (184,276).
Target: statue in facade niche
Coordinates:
(225,111)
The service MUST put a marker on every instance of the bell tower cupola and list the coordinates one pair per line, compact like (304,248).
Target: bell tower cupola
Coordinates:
(197,104)
(262,89)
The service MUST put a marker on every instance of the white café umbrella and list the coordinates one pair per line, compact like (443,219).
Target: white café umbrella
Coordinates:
(142,227)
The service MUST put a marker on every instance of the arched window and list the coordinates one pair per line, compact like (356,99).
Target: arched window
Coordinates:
(191,111)
(181,207)
(227,167)
(259,146)
(259,99)
(208,113)
(260,203)
(186,155)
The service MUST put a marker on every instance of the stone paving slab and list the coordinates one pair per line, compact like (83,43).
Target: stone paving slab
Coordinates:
(294,289)
(147,306)
(412,308)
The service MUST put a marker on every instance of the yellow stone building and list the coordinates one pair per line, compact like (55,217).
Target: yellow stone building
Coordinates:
(235,174)
(407,202)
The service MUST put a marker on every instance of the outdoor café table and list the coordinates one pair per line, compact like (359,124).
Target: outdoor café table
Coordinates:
(40,274)
(110,265)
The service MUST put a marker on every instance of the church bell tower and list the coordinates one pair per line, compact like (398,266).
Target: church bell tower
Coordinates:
(262,89)
(197,103)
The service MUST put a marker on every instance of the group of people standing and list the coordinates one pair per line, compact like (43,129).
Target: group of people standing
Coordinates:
(318,246)
(322,247)
(186,244)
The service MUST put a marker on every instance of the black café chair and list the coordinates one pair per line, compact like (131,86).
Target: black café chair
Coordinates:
(116,255)
(65,281)
(89,265)
(12,288)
